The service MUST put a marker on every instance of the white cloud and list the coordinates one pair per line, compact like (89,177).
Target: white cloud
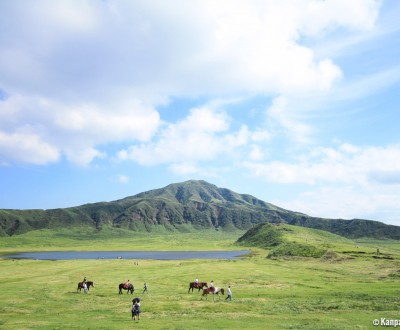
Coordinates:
(121,179)
(128,121)
(375,202)
(86,74)
(83,156)
(256,153)
(347,182)
(73,130)
(176,48)
(26,148)
(286,118)
(201,136)
(346,165)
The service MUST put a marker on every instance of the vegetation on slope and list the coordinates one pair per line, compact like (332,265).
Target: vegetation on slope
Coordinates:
(286,240)
(197,204)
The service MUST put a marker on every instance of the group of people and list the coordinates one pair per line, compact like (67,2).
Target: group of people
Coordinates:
(136,301)
(215,289)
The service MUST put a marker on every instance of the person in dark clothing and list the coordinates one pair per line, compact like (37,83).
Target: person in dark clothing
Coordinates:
(136,309)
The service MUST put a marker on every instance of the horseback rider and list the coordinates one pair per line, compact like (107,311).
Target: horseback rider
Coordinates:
(196,283)
(212,286)
(83,284)
(126,284)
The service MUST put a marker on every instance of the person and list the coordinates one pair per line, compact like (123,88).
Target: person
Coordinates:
(126,284)
(84,279)
(196,283)
(145,287)
(212,286)
(136,309)
(229,293)
(85,288)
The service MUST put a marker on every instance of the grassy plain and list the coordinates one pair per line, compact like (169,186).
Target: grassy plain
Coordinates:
(347,289)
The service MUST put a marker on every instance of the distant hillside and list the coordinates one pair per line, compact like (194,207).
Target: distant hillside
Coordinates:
(282,240)
(191,204)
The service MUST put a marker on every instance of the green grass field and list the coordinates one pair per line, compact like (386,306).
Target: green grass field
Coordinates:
(347,289)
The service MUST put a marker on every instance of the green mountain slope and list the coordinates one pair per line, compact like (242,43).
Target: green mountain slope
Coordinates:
(287,240)
(184,206)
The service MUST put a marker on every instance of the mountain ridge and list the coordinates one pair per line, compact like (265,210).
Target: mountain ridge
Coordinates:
(197,203)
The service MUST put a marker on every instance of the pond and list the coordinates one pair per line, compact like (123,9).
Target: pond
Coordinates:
(154,255)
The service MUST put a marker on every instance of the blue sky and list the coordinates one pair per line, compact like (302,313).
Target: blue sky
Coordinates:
(293,102)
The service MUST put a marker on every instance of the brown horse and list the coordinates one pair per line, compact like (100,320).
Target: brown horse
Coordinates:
(88,284)
(194,285)
(207,291)
(126,286)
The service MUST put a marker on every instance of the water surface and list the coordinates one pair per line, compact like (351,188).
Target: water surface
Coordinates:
(154,255)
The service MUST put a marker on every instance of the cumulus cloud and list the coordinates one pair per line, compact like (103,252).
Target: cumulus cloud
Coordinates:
(26,148)
(73,130)
(201,136)
(96,71)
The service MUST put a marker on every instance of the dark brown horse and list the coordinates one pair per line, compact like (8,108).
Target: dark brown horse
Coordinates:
(88,284)
(194,285)
(207,291)
(126,286)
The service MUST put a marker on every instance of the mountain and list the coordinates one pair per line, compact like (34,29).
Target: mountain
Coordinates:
(184,206)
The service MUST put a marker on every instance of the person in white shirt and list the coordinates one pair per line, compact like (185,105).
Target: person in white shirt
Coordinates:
(229,293)
(212,286)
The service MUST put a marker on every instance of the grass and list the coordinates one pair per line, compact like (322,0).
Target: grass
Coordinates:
(344,292)
(113,239)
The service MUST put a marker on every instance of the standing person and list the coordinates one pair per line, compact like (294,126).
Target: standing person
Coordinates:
(229,294)
(145,287)
(85,288)
(136,309)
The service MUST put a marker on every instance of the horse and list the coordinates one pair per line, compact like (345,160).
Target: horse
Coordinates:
(194,285)
(128,287)
(207,291)
(88,284)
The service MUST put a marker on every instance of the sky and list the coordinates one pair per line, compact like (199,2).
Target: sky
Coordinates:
(295,102)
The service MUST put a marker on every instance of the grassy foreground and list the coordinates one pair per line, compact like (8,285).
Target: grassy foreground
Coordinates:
(346,291)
